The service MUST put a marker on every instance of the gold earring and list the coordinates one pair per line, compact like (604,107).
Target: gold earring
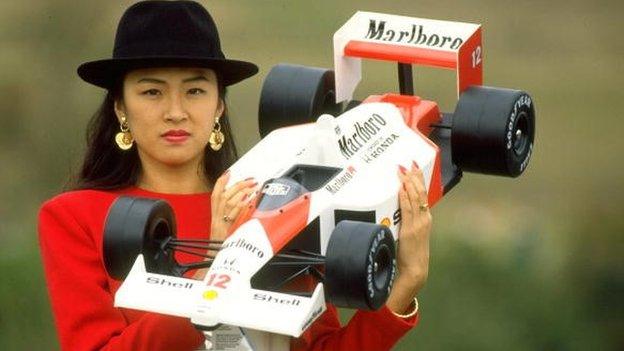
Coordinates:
(216,137)
(124,138)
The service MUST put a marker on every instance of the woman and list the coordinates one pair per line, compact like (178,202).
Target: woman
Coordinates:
(163,132)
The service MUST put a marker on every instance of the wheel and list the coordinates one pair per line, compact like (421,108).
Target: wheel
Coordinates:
(493,131)
(360,265)
(138,225)
(293,94)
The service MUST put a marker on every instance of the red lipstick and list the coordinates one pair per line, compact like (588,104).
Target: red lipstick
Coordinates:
(176,135)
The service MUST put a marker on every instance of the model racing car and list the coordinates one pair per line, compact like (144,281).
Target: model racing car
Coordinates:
(328,206)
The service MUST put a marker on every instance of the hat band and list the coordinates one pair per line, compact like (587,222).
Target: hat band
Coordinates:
(168,49)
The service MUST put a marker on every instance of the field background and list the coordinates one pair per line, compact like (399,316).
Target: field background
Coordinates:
(533,263)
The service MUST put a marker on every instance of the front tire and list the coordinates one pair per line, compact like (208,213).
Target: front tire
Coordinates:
(360,265)
(138,226)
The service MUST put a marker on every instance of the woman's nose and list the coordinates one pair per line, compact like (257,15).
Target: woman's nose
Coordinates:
(176,112)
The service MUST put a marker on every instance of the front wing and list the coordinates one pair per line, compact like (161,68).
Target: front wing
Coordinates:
(240,305)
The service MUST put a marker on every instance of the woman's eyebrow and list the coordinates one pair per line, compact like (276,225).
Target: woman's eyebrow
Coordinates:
(197,78)
(151,80)
(158,81)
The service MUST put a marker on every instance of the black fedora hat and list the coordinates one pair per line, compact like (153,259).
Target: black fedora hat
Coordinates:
(165,34)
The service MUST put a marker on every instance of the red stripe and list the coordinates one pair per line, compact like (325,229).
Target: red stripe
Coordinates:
(400,53)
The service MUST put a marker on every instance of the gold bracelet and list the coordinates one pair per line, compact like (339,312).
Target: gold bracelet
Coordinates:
(411,314)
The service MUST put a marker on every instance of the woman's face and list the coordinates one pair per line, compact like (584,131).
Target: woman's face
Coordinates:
(171,113)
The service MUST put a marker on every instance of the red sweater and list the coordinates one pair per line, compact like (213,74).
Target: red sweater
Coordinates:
(82,294)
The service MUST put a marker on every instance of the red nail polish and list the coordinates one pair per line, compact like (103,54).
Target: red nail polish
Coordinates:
(402,169)
(415,165)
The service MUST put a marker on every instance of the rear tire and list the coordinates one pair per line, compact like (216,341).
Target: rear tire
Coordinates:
(360,265)
(138,226)
(293,94)
(493,131)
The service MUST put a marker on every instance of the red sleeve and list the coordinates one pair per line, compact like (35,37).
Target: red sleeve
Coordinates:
(367,330)
(81,301)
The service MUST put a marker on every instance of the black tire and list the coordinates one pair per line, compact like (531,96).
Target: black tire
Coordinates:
(138,225)
(360,265)
(293,94)
(493,131)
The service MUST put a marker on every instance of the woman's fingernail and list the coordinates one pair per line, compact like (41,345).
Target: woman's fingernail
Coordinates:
(254,184)
(244,197)
(415,165)
(402,169)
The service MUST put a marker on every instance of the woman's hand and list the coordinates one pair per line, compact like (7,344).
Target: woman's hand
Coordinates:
(225,207)
(226,204)
(413,243)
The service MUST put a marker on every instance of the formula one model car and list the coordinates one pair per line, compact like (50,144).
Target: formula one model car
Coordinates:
(328,206)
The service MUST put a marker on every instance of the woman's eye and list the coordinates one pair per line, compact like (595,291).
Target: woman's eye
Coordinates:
(196,91)
(151,92)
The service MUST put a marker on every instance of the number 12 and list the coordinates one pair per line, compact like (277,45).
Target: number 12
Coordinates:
(476,57)
(218,281)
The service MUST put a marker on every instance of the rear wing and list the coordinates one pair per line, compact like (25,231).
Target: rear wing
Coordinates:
(407,40)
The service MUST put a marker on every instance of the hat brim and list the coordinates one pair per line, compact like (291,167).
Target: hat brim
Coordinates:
(105,73)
